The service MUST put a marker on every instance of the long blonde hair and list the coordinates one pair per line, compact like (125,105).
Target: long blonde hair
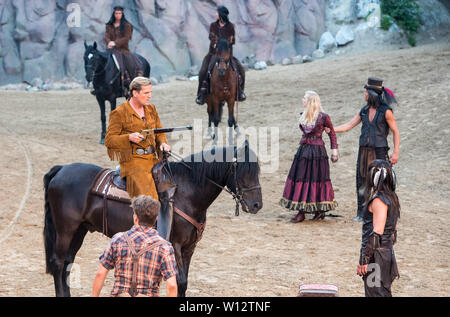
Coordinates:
(312,109)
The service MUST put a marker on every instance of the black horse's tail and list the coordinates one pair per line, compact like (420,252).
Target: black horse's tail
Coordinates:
(49,227)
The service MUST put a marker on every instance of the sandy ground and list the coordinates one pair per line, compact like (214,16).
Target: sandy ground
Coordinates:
(262,254)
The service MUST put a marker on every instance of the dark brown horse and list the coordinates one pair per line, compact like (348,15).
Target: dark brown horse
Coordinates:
(71,211)
(223,88)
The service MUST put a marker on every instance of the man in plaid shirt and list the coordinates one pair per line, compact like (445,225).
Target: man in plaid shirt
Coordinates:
(140,257)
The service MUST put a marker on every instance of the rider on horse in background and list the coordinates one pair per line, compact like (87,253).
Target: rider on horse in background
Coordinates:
(117,35)
(222,28)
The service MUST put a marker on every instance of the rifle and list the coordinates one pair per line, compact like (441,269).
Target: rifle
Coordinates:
(148,132)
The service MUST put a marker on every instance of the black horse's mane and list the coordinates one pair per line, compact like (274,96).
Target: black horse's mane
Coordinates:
(201,166)
(104,55)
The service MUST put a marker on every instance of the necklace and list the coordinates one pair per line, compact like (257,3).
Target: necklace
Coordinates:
(140,112)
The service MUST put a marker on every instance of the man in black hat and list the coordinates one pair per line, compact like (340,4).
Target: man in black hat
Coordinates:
(221,29)
(377,119)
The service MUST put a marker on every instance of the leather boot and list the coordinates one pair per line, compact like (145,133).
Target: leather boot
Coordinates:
(299,218)
(358,217)
(319,216)
(242,96)
(201,98)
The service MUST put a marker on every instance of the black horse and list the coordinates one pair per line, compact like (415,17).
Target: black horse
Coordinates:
(102,71)
(71,211)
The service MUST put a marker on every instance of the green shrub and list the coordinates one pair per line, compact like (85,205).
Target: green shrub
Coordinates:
(405,13)
(411,40)
(386,22)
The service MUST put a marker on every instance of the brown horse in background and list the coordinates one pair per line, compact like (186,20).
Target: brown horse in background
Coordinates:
(223,88)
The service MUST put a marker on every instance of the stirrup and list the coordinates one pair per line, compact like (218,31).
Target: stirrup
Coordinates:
(242,96)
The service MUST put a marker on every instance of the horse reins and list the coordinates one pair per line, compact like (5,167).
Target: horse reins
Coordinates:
(199,226)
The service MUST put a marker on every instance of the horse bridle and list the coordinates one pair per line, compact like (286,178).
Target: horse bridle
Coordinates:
(238,196)
(92,68)
(222,60)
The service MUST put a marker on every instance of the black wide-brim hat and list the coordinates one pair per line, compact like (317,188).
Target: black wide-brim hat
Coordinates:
(375,84)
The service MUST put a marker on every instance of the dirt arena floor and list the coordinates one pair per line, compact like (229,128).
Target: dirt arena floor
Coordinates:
(262,254)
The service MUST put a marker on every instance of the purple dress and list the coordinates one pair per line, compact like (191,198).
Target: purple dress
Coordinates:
(308,186)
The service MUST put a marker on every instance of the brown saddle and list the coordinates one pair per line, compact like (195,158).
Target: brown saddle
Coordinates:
(109,185)
(118,181)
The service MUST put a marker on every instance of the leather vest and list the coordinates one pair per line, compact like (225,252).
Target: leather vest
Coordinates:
(391,221)
(374,134)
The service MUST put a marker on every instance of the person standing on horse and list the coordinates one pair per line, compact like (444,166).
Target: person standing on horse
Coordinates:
(221,29)
(136,154)
(377,119)
(117,35)
(140,257)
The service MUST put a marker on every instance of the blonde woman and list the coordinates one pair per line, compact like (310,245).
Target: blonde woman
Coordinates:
(308,186)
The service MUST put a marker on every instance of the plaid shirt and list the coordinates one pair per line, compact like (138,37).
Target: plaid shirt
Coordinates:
(154,265)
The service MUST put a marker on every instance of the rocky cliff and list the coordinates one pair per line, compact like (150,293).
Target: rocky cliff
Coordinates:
(44,38)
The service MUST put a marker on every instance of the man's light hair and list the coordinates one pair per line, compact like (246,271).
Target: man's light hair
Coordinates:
(137,84)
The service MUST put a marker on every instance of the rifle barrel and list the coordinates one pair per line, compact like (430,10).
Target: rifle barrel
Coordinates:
(165,130)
